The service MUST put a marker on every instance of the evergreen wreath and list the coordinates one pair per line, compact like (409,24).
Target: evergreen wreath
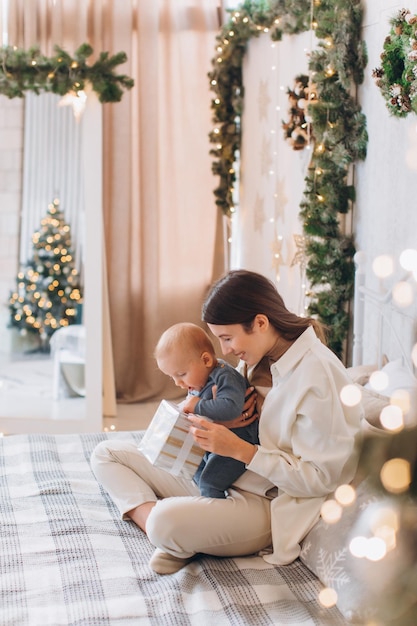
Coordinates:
(297,130)
(397,75)
(30,70)
(339,127)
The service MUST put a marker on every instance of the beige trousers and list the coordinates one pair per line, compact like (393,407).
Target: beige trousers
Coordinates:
(182,523)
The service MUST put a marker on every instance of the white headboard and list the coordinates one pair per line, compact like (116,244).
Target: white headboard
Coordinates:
(380,326)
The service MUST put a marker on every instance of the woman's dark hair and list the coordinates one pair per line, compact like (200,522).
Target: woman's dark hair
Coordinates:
(240,295)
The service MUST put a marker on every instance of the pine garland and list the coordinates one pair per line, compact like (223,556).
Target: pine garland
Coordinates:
(30,70)
(339,129)
(397,76)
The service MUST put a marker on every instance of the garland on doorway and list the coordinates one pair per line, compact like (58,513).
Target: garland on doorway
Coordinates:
(397,75)
(337,65)
(30,70)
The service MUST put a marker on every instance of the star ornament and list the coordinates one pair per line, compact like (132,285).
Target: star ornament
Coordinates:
(259,213)
(300,257)
(77,100)
(264,100)
(277,258)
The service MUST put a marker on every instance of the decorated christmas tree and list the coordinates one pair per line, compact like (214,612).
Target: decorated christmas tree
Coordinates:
(48,293)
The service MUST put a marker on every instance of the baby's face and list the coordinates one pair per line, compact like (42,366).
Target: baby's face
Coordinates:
(187,372)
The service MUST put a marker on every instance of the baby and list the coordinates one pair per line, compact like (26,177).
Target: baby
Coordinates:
(186,353)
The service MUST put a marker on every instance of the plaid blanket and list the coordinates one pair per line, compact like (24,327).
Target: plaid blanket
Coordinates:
(66,559)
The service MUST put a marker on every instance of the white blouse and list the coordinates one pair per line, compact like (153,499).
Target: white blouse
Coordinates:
(309,442)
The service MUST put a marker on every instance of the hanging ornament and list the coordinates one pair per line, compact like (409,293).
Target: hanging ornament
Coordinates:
(297,130)
(300,257)
(77,100)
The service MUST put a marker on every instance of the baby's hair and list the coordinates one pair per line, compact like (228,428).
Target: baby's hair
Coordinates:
(185,336)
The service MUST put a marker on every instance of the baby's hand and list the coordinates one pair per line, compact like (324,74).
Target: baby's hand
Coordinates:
(189,404)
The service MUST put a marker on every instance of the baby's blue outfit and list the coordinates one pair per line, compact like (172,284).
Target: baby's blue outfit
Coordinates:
(217,473)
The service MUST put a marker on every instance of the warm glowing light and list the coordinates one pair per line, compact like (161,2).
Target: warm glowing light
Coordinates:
(383,266)
(402,293)
(396,475)
(408,259)
(376,549)
(385,524)
(402,399)
(392,418)
(357,547)
(350,395)
(328,597)
(331,511)
(378,380)
(345,495)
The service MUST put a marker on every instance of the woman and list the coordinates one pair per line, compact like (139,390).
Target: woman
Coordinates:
(308,441)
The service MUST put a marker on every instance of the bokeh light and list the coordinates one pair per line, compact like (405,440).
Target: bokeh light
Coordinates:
(408,259)
(402,294)
(350,395)
(383,266)
(331,511)
(396,475)
(391,418)
(345,495)
(328,597)
(378,380)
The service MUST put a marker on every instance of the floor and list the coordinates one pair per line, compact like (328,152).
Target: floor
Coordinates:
(33,399)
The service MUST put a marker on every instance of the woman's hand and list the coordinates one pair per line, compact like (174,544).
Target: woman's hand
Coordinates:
(220,440)
(249,413)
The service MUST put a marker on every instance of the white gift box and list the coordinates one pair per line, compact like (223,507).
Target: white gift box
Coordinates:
(167,442)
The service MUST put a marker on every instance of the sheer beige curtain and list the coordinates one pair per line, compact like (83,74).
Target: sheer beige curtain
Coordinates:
(159,211)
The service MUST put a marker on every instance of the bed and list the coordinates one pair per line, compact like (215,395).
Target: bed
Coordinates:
(68,560)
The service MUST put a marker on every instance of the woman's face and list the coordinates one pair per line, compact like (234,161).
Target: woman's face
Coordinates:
(247,346)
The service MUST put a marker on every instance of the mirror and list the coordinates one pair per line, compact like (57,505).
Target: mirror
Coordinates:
(45,384)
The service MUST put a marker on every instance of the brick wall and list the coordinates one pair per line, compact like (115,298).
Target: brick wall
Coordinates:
(11,155)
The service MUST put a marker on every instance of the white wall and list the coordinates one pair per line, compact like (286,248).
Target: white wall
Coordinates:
(385,213)
(385,216)
(272,174)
